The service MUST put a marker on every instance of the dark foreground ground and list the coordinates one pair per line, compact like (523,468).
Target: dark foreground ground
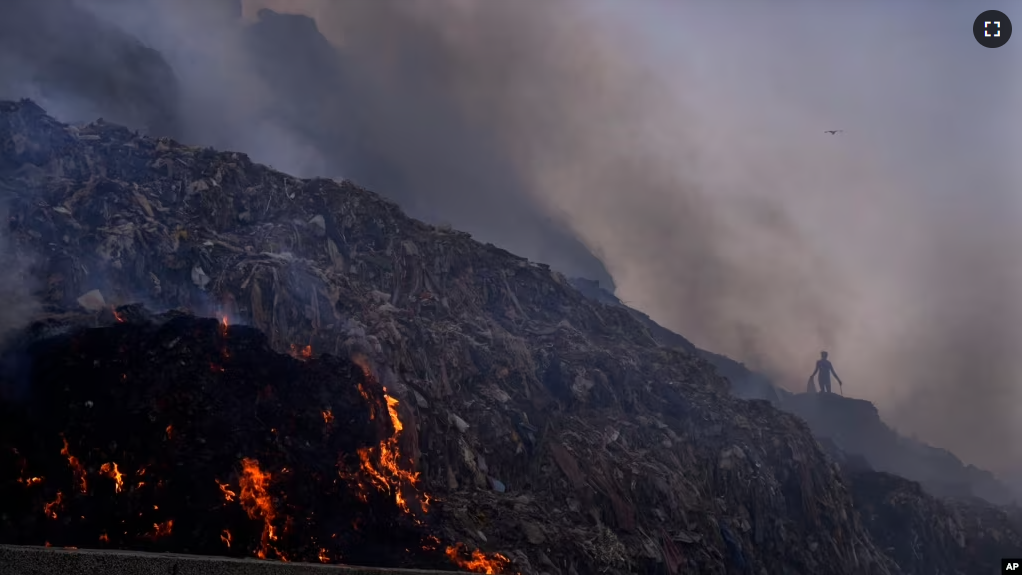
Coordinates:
(34,561)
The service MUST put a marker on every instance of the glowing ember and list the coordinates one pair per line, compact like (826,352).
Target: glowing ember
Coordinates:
(372,406)
(30,481)
(226,489)
(50,509)
(477,562)
(117,316)
(161,530)
(302,353)
(328,416)
(256,501)
(104,538)
(75,465)
(223,326)
(216,368)
(323,557)
(170,432)
(225,536)
(111,471)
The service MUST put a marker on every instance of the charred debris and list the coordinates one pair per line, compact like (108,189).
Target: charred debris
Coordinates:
(504,414)
(182,434)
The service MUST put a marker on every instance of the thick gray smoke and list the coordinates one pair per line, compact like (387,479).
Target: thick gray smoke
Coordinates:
(641,143)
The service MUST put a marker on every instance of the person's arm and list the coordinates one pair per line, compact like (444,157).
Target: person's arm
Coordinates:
(815,371)
(834,371)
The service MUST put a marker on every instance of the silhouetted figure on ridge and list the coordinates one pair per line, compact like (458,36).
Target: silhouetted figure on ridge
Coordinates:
(824,368)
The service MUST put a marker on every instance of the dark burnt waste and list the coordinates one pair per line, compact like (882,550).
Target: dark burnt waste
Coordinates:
(188,436)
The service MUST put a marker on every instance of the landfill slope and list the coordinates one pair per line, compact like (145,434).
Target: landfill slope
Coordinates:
(553,429)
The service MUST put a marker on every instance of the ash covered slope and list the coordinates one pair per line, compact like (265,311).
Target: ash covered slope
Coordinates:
(555,429)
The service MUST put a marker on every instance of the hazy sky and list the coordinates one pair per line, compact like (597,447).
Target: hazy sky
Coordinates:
(915,205)
(682,143)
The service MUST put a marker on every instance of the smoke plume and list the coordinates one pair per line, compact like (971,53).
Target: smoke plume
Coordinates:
(676,150)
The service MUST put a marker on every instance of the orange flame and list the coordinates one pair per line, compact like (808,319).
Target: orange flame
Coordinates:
(50,509)
(328,416)
(323,557)
(170,432)
(104,538)
(223,326)
(75,465)
(161,530)
(226,489)
(388,456)
(302,353)
(478,561)
(392,409)
(226,538)
(111,471)
(29,482)
(117,316)
(365,396)
(256,501)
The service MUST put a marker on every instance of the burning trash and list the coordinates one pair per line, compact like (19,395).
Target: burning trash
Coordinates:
(207,461)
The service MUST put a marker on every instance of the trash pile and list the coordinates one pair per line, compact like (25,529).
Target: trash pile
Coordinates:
(924,534)
(547,427)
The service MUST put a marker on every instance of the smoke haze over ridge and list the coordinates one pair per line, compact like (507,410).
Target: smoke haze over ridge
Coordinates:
(694,166)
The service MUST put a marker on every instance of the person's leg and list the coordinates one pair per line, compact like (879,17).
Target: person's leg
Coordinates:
(824,385)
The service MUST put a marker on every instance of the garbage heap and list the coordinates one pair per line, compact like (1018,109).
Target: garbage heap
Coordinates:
(549,428)
(189,435)
(927,534)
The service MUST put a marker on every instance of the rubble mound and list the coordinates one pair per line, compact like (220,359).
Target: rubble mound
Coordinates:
(186,435)
(553,429)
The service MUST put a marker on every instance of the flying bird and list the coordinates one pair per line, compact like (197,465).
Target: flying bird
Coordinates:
(832,132)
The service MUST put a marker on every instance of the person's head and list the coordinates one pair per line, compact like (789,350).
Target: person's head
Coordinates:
(823,354)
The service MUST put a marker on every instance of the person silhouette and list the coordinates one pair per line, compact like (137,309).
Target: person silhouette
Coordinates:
(824,369)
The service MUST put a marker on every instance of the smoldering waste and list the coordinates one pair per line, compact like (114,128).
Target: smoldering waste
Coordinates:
(191,435)
(547,427)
